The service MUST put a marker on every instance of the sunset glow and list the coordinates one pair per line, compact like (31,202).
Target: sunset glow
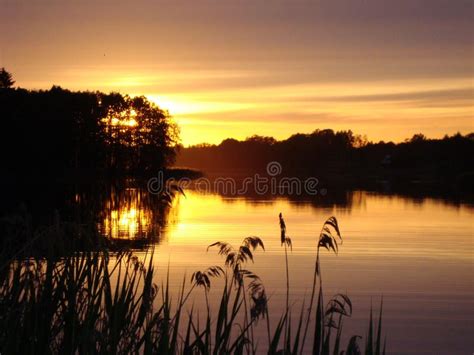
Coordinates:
(234,69)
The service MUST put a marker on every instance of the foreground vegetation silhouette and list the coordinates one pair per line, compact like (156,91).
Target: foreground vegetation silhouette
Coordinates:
(102,302)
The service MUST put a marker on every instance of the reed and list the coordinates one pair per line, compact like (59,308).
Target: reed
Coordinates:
(103,302)
(286,243)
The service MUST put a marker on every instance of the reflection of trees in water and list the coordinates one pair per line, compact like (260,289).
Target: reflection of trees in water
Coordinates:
(124,210)
(117,210)
(131,213)
(331,198)
(79,216)
(127,213)
(344,200)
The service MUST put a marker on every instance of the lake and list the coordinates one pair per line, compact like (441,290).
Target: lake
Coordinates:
(416,253)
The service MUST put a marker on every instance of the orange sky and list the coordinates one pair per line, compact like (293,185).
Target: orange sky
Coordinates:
(233,68)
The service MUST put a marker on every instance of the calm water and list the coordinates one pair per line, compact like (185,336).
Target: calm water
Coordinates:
(418,254)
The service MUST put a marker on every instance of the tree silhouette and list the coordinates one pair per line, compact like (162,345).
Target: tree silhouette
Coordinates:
(139,136)
(343,158)
(84,134)
(6,79)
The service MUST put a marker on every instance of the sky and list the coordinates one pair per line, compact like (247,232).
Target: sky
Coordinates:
(233,68)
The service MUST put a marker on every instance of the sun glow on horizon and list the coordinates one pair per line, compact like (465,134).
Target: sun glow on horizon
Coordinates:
(191,104)
(282,110)
(210,107)
(285,69)
(213,112)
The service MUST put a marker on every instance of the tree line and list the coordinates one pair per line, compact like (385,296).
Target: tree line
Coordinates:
(342,157)
(61,133)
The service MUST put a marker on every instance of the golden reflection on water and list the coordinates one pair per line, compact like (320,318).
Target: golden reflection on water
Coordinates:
(129,215)
(372,224)
(417,253)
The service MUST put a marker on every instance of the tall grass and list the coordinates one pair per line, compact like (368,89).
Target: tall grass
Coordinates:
(102,302)
(286,243)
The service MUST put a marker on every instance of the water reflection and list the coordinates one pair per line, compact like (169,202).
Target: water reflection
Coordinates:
(126,217)
(131,213)
(126,211)
(417,253)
